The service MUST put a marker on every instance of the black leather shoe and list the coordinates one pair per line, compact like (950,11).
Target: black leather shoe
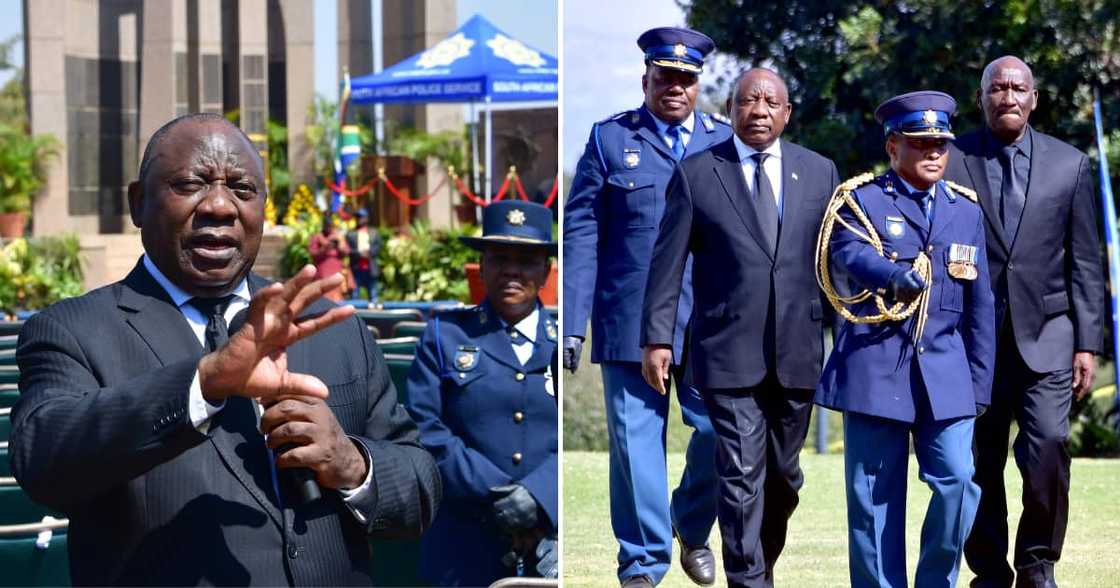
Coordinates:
(698,563)
(640,581)
(1036,576)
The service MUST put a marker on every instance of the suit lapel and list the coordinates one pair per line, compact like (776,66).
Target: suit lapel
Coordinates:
(908,206)
(702,135)
(543,349)
(943,211)
(648,132)
(496,342)
(730,174)
(977,167)
(153,315)
(791,193)
(1038,151)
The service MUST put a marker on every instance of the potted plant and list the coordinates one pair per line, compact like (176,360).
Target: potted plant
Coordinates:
(23,170)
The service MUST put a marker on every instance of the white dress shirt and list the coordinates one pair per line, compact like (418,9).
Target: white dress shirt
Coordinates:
(686,129)
(771,165)
(526,338)
(198,408)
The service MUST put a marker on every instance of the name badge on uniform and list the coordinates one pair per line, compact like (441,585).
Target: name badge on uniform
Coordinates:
(896,226)
(962,262)
(631,158)
(466,358)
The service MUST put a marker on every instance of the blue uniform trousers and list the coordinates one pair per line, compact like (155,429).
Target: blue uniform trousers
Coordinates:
(641,513)
(875,466)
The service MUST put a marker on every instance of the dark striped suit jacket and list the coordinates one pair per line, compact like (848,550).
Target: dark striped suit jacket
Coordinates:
(101,433)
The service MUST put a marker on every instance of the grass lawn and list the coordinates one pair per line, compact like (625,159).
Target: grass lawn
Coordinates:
(816,550)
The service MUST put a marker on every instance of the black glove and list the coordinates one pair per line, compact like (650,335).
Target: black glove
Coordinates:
(906,286)
(513,508)
(546,557)
(573,346)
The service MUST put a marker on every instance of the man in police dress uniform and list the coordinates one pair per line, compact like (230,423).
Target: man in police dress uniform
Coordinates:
(610,224)
(483,393)
(926,376)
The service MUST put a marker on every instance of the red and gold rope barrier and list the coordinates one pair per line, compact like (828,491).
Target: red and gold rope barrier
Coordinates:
(512,179)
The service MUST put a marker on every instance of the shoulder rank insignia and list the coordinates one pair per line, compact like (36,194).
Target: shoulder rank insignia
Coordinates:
(617,116)
(959,189)
(707,120)
(720,118)
(466,358)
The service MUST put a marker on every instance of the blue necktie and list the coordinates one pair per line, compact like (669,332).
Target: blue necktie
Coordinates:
(675,133)
(927,206)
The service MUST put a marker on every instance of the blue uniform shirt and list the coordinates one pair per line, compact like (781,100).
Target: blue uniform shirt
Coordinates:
(611,219)
(871,368)
(489,420)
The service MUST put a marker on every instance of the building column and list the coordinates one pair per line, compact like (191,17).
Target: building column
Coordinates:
(253,60)
(355,37)
(409,28)
(163,65)
(207,57)
(299,31)
(45,79)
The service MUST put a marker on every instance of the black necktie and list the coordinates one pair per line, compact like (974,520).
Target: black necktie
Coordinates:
(239,414)
(214,309)
(1012,198)
(765,203)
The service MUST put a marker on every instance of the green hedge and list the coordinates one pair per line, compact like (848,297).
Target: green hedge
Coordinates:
(416,265)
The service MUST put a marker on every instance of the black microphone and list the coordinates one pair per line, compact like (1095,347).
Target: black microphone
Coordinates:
(303,478)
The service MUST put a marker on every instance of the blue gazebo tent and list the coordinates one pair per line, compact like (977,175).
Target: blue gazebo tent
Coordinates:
(478,63)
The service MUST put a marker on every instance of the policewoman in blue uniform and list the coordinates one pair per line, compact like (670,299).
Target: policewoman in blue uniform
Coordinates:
(611,220)
(914,359)
(483,393)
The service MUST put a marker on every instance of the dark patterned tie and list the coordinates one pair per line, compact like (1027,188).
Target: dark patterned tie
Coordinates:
(214,309)
(675,133)
(1012,198)
(765,202)
(239,413)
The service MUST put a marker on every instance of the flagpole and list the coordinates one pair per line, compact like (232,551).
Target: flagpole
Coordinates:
(1110,235)
(489,150)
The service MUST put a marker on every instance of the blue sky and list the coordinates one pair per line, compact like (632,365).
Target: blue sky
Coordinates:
(534,22)
(602,65)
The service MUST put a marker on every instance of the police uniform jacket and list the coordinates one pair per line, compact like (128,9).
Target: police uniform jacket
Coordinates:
(870,370)
(489,421)
(610,225)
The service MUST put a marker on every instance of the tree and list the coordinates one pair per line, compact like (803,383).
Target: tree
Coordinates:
(841,59)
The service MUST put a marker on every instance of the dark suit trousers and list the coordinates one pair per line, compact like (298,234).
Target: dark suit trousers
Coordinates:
(759,434)
(1040,403)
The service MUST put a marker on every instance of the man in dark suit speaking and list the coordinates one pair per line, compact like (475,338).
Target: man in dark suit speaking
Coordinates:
(137,416)
(1044,258)
(748,210)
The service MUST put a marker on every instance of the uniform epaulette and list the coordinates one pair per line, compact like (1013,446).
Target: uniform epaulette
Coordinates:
(619,115)
(720,118)
(966,192)
(853,183)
